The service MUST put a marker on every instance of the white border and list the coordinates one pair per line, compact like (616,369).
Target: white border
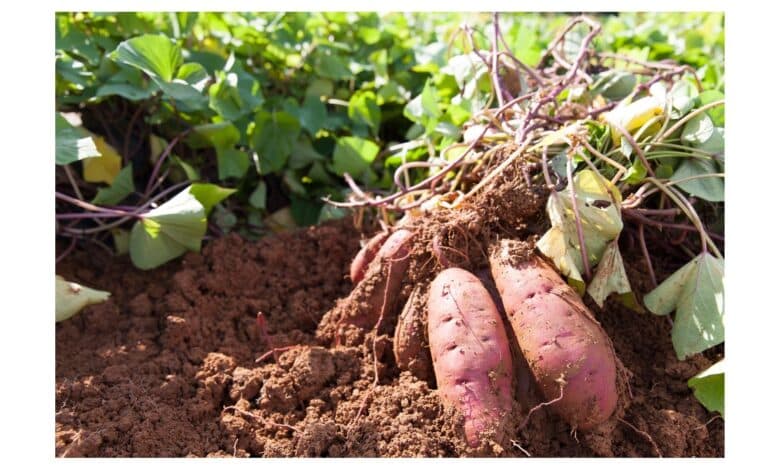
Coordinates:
(27,251)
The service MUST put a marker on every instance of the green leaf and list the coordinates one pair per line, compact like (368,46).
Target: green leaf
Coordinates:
(614,84)
(168,231)
(353,155)
(194,74)
(597,203)
(72,143)
(695,291)
(718,113)
(259,196)
(329,212)
(363,108)
(121,239)
(125,90)
(273,137)
(187,97)
(698,131)
(231,162)
(209,195)
(313,114)
(710,188)
(303,154)
(683,98)
(610,275)
(70,298)
(121,187)
(709,387)
(320,87)
(155,54)
(218,134)
(304,211)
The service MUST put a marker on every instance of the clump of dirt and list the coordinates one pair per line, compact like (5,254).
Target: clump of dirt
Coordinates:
(167,366)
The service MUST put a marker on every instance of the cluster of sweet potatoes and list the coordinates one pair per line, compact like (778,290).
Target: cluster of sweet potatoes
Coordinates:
(455,330)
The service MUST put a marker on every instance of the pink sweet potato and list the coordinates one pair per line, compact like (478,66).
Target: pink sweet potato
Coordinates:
(471,357)
(410,345)
(570,355)
(360,264)
(374,297)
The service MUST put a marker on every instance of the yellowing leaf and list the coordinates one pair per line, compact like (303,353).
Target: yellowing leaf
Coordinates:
(281,220)
(633,116)
(70,298)
(610,276)
(597,200)
(106,167)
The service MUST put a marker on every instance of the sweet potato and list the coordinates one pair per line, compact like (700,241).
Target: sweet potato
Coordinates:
(373,297)
(410,345)
(570,355)
(470,351)
(360,264)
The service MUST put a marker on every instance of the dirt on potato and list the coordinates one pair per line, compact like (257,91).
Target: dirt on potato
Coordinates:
(168,365)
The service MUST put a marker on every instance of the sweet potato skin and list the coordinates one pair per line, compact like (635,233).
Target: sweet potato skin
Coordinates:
(410,344)
(570,355)
(374,297)
(364,257)
(470,351)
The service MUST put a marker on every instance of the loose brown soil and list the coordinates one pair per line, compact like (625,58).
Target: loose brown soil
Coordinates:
(167,366)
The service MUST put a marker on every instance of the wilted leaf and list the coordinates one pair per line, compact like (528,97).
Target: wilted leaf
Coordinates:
(610,275)
(600,218)
(695,291)
(70,298)
(709,387)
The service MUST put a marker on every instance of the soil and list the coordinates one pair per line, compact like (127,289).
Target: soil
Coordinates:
(168,365)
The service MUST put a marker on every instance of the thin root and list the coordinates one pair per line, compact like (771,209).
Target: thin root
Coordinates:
(646,435)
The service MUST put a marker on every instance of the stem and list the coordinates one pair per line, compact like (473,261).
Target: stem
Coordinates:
(577,220)
(649,262)
(635,146)
(496,77)
(420,185)
(687,118)
(72,180)
(152,184)
(88,206)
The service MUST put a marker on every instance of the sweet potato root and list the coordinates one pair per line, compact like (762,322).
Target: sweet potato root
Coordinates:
(470,351)
(570,355)
(410,344)
(364,257)
(374,297)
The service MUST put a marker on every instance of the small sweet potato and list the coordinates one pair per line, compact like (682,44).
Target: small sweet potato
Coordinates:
(410,345)
(360,264)
(570,355)
(470,351)
(373,297)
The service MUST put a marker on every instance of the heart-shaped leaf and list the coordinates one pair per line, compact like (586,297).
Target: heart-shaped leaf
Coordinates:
(70,298)
(695,291)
